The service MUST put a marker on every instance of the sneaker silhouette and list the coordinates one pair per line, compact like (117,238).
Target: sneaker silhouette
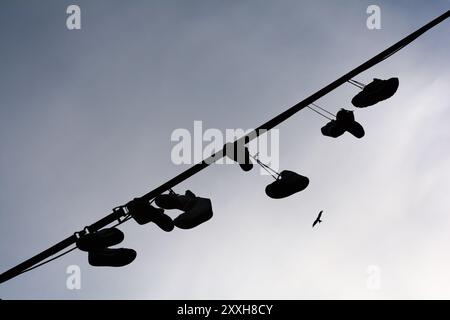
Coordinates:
(376,91)
(200,212)
(287,184)
(240,154)
(332,129)
(101,239)
(345,121)
(196,210)
(99,255)
(143,212)
(356,130)
(175,201)
(111,257)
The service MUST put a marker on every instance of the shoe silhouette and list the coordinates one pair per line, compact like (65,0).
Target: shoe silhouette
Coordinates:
(356,130)
(287,184)
(175,201)
(240,154)
(246,165)
(111,257)
(345,121)
(101,239)
(332,129)
(196,210)
(200,212)
(99,255)
(376,91)
(143,212)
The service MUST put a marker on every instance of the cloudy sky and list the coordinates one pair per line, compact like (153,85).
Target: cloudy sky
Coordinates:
(86,118)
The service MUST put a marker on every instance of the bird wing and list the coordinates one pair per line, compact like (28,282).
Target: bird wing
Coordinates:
(320,215)
(315,222)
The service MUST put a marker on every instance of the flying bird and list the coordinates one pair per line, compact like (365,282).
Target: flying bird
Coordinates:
(318,219)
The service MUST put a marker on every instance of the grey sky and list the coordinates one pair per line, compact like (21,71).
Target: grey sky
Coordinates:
(85,124)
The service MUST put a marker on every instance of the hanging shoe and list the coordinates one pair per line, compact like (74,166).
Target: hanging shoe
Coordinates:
(143,212)
(246,164)
(287,184)
(111,257)
(239,154)
(175,201)
(100,239)
(346,120)
(345,117)
(198,213)
(356,130)
(332,129)
(376,91)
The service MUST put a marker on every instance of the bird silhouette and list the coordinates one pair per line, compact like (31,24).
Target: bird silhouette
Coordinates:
(318,219)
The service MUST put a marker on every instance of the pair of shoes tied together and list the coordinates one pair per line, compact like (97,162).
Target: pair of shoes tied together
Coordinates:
(196,210)
(143,212)
(345,121)
(99,254)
